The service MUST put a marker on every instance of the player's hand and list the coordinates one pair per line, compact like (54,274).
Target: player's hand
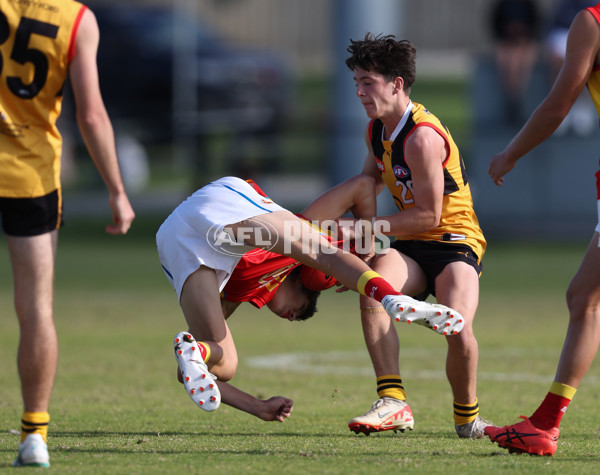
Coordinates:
(123,214)
(277,408)
(500,165)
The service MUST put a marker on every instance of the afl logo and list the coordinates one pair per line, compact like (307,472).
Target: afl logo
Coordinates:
(401,172)
(380,165)
(225,240)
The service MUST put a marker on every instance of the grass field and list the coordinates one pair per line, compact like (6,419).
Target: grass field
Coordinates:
(117,407)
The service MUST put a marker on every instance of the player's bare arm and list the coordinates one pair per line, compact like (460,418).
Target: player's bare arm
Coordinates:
(276,408)
(94,123)
(425,152)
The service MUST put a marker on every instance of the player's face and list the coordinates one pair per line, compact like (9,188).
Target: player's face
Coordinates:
(289,300)
(375,93)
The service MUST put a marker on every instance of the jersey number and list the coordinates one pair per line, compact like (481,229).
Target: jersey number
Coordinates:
(406,191)
(22,54)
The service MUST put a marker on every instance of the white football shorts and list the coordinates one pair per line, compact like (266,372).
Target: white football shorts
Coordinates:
(193,236)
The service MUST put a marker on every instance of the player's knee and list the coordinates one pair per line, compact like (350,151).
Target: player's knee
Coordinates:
(225,371)
(582,304)
(464,341)
(226,374)
(34,322)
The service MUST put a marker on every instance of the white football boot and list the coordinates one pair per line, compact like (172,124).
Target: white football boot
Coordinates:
(199,383)
(386,414)
(472,430)
(439,318)
(33,452)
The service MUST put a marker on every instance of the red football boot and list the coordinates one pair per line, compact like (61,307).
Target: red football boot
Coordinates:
(524,437)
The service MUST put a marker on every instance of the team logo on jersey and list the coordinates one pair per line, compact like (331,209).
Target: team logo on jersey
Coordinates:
(380,164)
(267,201)
(401,172)
(272,280)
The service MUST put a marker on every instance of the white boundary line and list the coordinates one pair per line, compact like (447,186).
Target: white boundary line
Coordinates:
(357,363)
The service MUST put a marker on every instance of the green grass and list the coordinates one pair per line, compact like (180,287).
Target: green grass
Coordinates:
(117,407)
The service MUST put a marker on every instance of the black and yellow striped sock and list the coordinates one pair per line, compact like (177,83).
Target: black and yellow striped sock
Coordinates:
(465,413)
(34,423)
(391,386)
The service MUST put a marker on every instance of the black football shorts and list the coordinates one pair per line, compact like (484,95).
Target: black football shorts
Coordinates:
(31,216)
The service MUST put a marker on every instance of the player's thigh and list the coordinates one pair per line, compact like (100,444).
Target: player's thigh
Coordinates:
(402,272)
(32,259)
(31,227)
(201,306)
(457,286)
(202,309)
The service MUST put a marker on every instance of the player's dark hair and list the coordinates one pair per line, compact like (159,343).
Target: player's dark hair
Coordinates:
(311,309)
(311,295)
(384,55)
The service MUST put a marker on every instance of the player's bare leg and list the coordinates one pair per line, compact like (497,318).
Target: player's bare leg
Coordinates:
(297,239)
(207,349)
(32,260)
(583,334)
(390,411)
(201,306)
(579,350)
(458,284)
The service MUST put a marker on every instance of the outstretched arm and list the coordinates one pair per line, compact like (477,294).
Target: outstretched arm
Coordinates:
(94,123)
(277,408)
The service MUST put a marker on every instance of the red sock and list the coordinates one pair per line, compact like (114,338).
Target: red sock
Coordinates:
(374,286)
(204,350)
(553,407)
